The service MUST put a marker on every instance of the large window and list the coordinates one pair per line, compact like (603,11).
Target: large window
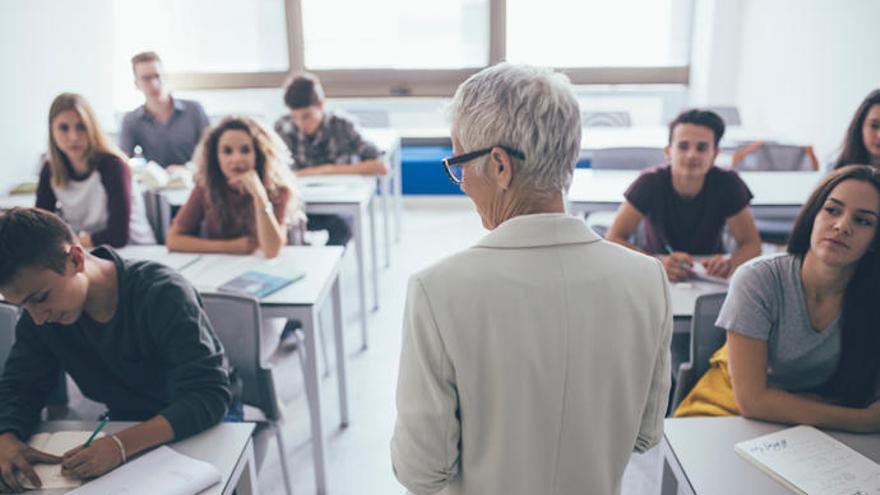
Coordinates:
(395,34)
(405,47)
(599,33)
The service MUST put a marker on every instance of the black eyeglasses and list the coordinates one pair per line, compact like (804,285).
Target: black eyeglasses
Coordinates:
(453,163)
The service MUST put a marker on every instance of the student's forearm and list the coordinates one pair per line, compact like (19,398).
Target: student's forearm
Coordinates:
(192,244)
(744,253)
(367,167)
(777,405)
(150,433)
(271,236)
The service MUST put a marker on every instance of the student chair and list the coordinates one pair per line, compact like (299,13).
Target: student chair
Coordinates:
(605,119)
(8,319)
(760,155)
(237,321)
(729,114)
(706,338)
(626,158)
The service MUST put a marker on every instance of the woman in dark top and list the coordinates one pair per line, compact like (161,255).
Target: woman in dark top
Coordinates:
(87,181)
(862,142)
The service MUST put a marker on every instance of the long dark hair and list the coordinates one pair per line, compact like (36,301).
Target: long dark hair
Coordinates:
(854,379)
(854,150)
(272,166)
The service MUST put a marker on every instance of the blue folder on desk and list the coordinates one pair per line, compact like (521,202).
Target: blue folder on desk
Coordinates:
(259,284)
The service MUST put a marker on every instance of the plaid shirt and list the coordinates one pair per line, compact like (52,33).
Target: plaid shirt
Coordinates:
(337,141)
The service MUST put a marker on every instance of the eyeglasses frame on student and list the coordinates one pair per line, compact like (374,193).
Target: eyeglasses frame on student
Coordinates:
(451,161)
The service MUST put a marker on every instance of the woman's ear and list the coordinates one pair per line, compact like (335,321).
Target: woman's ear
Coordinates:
(502,167)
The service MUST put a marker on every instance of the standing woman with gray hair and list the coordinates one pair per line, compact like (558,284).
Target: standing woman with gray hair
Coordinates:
(537,360)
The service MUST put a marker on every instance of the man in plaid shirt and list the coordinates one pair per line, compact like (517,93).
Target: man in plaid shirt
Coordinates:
(324,143)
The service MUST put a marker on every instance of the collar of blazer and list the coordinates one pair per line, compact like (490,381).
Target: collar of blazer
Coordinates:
(542,229)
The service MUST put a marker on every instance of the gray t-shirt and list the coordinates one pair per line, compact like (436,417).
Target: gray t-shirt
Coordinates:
(766,301)
(171,143)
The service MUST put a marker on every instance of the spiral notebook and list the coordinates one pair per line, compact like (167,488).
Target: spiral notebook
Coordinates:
(810,462)
(260,284)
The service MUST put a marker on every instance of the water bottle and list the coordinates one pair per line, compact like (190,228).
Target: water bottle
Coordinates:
(137,162)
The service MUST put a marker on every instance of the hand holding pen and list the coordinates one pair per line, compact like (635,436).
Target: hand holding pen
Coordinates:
(95,457)
(678,265)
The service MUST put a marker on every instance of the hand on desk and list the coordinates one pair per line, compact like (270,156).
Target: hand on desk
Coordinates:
(243,245)
(101,456)
(678,266)
(18,457)
(717,266)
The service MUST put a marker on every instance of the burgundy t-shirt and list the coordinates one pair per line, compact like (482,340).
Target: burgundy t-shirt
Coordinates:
(693,225)
(198,213)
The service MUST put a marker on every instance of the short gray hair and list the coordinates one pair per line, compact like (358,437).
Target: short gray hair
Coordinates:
(527,108)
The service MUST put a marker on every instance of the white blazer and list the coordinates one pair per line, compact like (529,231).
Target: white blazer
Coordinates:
(533,363)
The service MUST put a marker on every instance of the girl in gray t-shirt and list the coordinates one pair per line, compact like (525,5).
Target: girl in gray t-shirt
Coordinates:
(803,328)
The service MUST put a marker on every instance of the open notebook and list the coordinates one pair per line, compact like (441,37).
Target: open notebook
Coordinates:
(56,443)
(161,471)
(810,462)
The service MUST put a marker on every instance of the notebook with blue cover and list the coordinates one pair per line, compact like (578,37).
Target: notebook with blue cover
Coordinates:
(259,284)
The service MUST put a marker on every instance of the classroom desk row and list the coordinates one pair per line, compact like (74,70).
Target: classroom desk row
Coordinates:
(302,300)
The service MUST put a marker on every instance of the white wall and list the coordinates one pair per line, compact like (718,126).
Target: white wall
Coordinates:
(48,47)
(805,65)
(715,52)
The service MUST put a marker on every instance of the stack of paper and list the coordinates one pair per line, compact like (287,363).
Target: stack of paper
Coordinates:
(810,462)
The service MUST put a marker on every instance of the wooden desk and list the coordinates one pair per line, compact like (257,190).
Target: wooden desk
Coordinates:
(301,301)
(777,195)
(698,456)
(227,446)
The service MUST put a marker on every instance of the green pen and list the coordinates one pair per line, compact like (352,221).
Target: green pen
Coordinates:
(681,264)
(104,420)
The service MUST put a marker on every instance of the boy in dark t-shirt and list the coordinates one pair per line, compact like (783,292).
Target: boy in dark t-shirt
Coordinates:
(687,203)
(132,335)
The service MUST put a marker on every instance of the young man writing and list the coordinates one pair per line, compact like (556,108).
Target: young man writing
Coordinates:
(131,334)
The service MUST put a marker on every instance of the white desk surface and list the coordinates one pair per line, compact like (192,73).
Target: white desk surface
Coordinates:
(8,201)
(684,296)
(314,190)
(703,448)
(770,188)
(209,271)
(221,446)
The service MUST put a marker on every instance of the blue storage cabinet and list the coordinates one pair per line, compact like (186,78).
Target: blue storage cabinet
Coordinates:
(423,173)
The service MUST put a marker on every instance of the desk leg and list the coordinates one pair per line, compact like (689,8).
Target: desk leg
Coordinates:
(247,481)
(385,187)
(398,190)
(374,256)
(357,235)
(314,397)
(340,352)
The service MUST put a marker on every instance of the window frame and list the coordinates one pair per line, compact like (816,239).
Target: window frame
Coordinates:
(415,82)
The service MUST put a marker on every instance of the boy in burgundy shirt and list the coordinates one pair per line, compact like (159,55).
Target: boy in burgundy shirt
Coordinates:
(686,203)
